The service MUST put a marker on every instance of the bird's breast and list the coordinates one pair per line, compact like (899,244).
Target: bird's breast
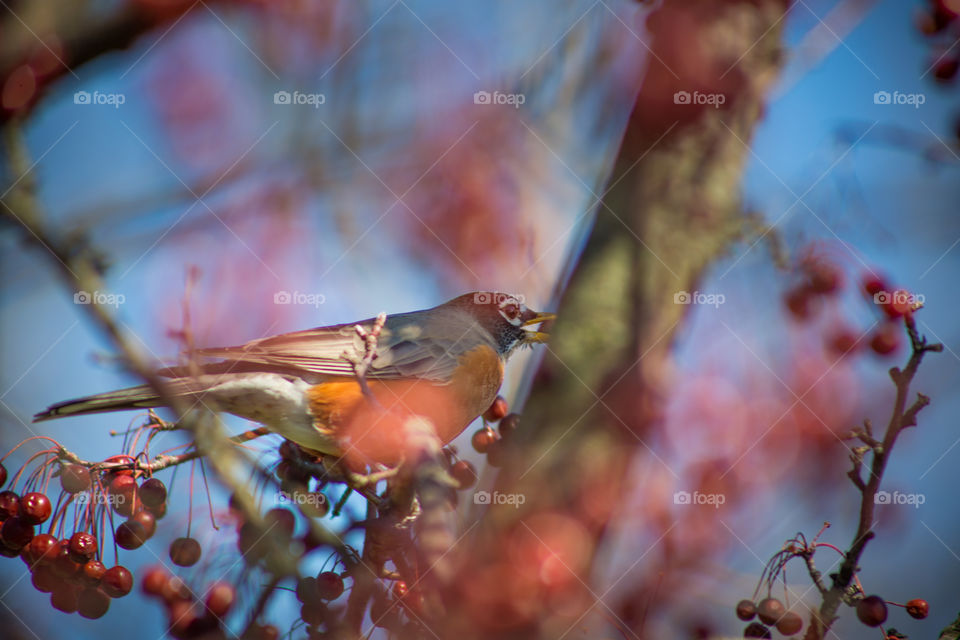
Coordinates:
(375,430)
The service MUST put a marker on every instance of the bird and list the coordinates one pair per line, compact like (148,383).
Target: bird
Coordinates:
(445,364)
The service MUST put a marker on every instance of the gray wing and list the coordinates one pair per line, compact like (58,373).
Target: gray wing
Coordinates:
(402,351)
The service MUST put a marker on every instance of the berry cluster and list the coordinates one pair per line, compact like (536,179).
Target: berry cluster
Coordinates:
(190,616)
(771,612)
(490,442)
(68,563)
(820,280)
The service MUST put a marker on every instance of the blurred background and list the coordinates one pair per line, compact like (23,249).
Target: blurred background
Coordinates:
(321,162)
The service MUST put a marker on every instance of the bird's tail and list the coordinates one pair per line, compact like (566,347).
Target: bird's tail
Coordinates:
(141,397)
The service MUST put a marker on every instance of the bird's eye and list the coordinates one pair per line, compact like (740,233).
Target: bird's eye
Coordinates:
(511,311)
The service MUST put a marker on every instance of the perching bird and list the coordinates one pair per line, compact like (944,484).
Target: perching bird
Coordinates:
(444,364)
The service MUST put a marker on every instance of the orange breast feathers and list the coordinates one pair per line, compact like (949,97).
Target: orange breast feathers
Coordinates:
(376,433)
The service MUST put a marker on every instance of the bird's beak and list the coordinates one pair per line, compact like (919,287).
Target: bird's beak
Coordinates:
(533,318)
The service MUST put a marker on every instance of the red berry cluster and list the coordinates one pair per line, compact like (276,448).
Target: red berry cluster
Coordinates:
(490,442)
(190,616)
(315,593)
(69,565)
(820,279)
(771,612)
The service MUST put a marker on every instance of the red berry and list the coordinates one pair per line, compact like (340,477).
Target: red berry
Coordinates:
(35,508)
(9,505)
(464,473)
(176,590)
(65,567)
(153,492)
(44,579)
(945,69)
(92,573)
(483,438)
(508,425)
(329,585)
(16,533)
(82,546)
(746,610)
(74,478)
(185,552)
(64,597)
(885,339)
(158,512)
(872,611)
(124,495)
(897,304)
(497,410)
(117,581)
(824,277)
(154,581)
(874,284)
(842,342)
(769,610)
(3,475)
(44,548)
(220,598)
(92,603)
(130,535)
(185,619)
(756,630)
(800,303)
(147,520)
(280,521)
(313,616)
(918,608)
(496,453)
(789,624)
(307,591)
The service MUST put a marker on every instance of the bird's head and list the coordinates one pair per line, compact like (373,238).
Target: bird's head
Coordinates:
(506,317)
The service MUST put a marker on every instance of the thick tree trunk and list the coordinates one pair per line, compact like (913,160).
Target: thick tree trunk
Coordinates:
(670,210)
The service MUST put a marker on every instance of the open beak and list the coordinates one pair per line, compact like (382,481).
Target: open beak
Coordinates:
(531,318)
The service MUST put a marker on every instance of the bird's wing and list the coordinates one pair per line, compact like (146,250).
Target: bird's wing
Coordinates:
(402,351)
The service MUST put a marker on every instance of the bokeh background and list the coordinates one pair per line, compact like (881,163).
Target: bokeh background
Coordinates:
(390,188)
